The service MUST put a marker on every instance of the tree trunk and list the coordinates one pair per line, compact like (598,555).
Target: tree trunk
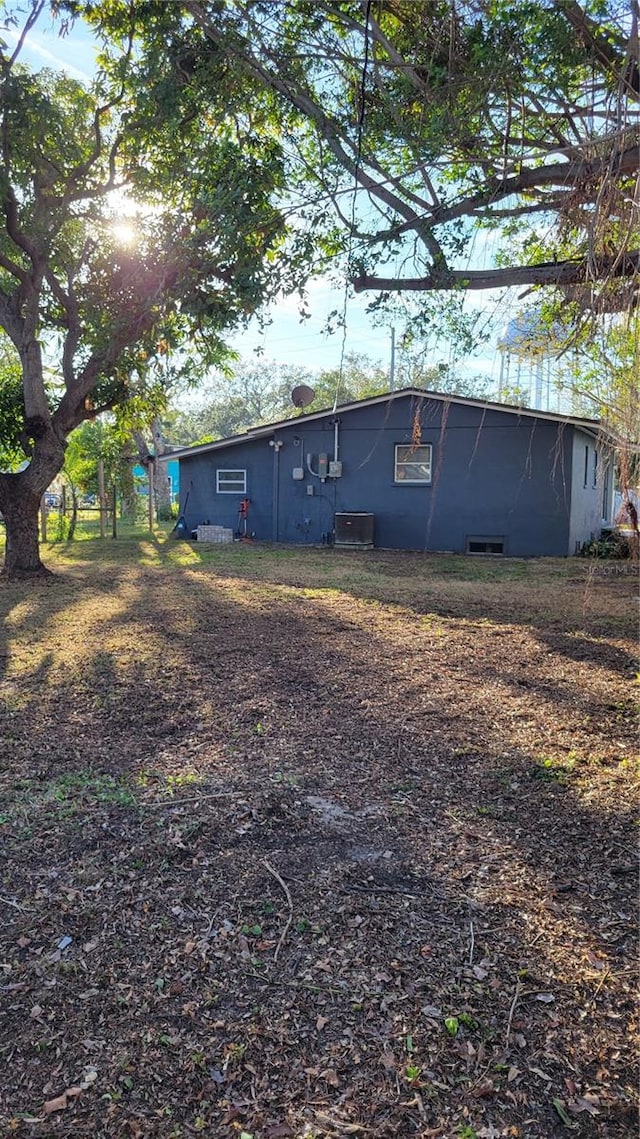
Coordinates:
(162,492)
(20,508)
(20,496)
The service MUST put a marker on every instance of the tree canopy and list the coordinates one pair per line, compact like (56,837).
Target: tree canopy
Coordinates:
(129,226)
(260,392)
(491,142)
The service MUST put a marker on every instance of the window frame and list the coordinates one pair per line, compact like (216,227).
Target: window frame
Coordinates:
(411,450)
(221,471)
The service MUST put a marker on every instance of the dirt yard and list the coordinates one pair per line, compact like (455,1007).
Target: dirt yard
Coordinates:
(305,843)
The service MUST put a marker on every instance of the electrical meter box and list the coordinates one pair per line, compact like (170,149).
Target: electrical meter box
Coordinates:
(335,469)
(323,465)
(298,473)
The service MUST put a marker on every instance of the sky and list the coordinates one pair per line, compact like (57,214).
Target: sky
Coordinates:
(45,47)
(287,340)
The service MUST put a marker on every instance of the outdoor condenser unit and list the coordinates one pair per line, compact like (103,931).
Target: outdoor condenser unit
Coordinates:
(354,530)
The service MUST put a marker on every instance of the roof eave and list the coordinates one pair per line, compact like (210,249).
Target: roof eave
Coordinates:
(592,426)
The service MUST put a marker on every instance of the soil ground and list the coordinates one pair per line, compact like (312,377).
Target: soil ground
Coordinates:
(310,843)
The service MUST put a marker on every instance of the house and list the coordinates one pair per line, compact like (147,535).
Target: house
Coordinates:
(412,470)
(172,468)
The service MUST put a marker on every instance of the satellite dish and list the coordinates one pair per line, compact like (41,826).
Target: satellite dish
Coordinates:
(302,396)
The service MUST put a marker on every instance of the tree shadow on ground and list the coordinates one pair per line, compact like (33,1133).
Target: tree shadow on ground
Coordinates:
(377,764)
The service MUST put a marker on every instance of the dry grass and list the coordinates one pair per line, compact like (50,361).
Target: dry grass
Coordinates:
(342,842)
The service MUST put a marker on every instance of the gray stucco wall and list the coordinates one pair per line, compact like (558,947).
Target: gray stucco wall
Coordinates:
(495,475)
(591,478)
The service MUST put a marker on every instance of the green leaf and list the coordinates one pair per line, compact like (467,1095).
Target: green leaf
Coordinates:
(560,1108)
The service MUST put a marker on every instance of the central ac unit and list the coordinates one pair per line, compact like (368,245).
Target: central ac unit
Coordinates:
(354,530)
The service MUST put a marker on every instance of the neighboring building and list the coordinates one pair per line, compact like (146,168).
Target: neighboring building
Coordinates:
(411,470)
(172,468)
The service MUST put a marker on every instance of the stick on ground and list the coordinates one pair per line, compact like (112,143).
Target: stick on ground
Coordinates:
(8,902)
(279,880)
(514,1002)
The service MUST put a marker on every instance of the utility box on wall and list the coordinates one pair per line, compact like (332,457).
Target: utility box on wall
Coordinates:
(354,530)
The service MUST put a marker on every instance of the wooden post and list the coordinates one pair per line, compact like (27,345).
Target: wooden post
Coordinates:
(151,502)
(101,499)
(114,520)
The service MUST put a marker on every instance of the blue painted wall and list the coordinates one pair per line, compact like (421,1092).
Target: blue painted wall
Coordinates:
(198,481)
(495,474)
(172,470)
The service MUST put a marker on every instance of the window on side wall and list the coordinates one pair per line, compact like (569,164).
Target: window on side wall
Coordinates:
(412,464)
(231,482)
(606,495)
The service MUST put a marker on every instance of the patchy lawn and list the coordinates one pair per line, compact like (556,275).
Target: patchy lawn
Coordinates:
(306,843)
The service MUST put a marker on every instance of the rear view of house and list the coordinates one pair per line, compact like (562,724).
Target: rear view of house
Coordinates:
(411,470)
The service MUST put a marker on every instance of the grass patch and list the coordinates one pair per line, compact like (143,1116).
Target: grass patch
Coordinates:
(552,770)
(71,793)
(548,592)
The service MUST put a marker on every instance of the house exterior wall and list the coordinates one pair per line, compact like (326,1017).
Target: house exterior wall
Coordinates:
(591,485)
(205,504)
(495,476)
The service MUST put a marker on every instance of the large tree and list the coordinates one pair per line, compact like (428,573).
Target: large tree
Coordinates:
(515,121)
(94,288)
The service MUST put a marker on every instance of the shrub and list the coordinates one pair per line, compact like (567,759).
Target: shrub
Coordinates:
(610,544)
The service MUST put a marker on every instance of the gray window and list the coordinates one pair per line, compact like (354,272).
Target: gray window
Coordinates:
(231,482)
(412,464)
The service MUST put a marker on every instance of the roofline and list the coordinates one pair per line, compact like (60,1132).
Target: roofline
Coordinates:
(592,426)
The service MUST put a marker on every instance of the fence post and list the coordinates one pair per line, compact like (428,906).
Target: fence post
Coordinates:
(43,519)
(101,498)
(150,469)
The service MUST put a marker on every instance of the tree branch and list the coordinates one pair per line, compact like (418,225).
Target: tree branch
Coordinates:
(550,273)
(554,174)
(14,269)
(14,231)
(614,55)
(328,128)
(67,303)
(31,20)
